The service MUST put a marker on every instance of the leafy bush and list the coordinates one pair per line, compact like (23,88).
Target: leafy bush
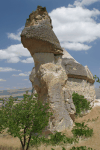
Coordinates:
(57,138)
(80,148)
(81,130)
(28,115)
(80,103)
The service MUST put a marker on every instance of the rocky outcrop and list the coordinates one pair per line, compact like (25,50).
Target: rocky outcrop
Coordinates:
(38,36)
(48,82)
(54,71)
(80,80)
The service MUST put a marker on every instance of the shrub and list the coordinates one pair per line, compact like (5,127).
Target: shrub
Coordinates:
(80,148)
(80,103)
(81,130)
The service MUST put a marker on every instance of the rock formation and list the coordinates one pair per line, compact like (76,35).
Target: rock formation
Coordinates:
(56,74)
(38,35)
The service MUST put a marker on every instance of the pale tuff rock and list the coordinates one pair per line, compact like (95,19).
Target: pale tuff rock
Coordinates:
(67,55)
(56,74)
(48,82)
(79,79)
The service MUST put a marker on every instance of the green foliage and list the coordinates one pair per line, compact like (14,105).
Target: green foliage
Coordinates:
(80,148)
(95,77)
(57,138)
(80,103)
(77,148)
(27,115)
(81,130)
(93,119)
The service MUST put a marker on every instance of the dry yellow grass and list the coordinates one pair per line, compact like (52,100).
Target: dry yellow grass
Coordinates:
(93,142)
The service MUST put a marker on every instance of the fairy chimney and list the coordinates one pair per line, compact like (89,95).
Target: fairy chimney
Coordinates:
(53,73)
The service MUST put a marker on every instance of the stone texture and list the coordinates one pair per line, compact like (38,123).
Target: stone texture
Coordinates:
(79,80)
(56,74)
(48,82)
(42,79)
(38,36)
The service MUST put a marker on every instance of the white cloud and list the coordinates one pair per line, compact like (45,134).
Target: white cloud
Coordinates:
(2,80)
(6,69)
(28,60)
(83,3)
(14,52)
(75,25)
(76,46)
(15,36)
(22,74)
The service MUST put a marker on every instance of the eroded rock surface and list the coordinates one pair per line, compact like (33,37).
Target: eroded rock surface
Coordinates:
(52,72)
(38,36)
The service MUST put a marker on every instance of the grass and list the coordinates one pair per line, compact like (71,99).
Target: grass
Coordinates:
(75,138)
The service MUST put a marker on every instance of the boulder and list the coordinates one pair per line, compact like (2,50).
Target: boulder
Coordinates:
(56,74)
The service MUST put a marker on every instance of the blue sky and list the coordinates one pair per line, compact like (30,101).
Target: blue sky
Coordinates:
(75,23)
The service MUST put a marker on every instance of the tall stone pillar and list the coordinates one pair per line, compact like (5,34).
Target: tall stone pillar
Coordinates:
(50,77)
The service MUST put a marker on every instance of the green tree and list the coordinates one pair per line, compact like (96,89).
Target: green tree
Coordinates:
(27,115)
(95,77)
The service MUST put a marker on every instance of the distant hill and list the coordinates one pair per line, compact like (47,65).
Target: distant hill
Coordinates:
(19,92)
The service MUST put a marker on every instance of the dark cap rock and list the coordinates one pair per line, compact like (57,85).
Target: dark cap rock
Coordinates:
(38,36)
